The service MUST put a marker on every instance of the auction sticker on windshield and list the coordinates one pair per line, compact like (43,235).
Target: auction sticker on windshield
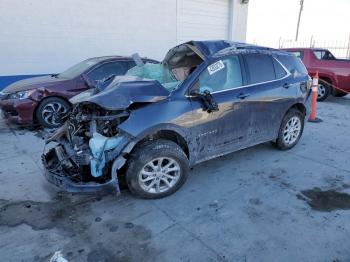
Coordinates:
(217,66)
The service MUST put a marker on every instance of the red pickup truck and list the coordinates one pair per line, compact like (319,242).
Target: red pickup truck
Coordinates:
(334,73)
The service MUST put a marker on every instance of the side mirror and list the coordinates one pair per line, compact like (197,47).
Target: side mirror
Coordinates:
(207,100)
(201,91)
(90,83)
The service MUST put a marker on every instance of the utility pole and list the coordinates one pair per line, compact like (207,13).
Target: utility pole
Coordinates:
(300,10)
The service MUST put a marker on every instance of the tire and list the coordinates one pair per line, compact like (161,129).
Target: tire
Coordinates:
(144,164)
(50,110)
(292,118)
(324,91)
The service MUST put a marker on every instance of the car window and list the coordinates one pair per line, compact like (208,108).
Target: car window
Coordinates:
(112,68)
(260,68)
(221,75)
(293,64)
(279,70)
(299,54)
(324,55)
(77,69)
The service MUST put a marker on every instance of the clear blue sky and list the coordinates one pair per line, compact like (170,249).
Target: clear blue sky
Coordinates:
(327,20)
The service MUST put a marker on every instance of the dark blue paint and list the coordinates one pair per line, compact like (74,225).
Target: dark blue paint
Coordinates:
(209,48)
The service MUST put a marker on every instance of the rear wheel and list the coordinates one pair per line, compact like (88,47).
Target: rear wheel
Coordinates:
(51,110)
(157,169)
(291,129)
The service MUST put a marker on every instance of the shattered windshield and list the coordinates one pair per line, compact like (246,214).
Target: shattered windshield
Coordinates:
(77,69)
(157,72)
(177,65)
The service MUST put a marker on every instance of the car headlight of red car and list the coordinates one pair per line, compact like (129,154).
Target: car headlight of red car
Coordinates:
(20,94)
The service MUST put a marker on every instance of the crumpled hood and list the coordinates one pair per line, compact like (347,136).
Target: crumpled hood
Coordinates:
(31,83)
(123,92)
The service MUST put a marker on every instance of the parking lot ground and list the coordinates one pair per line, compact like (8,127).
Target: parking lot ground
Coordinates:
(258,204)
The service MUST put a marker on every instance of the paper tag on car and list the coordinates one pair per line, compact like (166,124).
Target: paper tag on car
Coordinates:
(217,66)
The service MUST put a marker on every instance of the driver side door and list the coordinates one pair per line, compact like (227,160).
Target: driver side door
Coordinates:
(225,130)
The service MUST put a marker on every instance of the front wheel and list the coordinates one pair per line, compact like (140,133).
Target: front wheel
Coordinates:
(51,110)
(291,129)
(157,169)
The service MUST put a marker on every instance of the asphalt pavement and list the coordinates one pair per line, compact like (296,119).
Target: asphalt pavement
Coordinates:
(258,204)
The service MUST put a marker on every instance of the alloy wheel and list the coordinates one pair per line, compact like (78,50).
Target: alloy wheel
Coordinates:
(159,175)
(292,130)
(52,113)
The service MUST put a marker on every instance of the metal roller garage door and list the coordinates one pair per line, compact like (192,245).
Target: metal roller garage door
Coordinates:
(202,19)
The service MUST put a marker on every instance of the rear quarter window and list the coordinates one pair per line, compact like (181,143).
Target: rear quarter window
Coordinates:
(279,70)
(260,68)
(293,63)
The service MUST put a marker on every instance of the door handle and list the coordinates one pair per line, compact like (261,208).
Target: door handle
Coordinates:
(243,96)
(286,85)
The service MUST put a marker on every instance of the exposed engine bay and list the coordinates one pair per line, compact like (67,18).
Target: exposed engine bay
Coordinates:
(87,143)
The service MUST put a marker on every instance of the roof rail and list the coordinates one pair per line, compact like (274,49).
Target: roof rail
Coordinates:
(243,46)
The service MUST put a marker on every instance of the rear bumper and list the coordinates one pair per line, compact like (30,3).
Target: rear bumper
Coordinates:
(18,111)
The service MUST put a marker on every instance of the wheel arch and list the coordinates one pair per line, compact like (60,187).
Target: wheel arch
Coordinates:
(166,134)
(299,106)
(42,100)
(328,80)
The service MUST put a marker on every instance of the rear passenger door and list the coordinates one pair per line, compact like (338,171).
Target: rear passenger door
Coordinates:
(270,94)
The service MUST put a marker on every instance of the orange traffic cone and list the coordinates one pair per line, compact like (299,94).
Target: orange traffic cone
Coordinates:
(313,117)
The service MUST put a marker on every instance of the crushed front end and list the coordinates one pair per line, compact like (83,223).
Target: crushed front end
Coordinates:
(85,153)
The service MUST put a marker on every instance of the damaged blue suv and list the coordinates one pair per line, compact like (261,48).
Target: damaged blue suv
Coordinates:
(148,127)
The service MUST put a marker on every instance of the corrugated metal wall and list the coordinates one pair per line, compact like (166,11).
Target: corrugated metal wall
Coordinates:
(203,19)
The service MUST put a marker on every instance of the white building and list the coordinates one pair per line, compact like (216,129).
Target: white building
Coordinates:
(38,36)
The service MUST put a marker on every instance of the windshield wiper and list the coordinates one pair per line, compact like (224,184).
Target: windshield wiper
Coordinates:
(54,75)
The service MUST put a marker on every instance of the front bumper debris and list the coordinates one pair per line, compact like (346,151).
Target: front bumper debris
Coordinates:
(58,177)
(71,172)
(67,185)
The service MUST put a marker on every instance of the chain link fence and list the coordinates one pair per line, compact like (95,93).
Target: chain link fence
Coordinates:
(339,48)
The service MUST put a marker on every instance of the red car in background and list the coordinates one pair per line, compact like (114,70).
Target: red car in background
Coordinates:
(334,73)
(45,99)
